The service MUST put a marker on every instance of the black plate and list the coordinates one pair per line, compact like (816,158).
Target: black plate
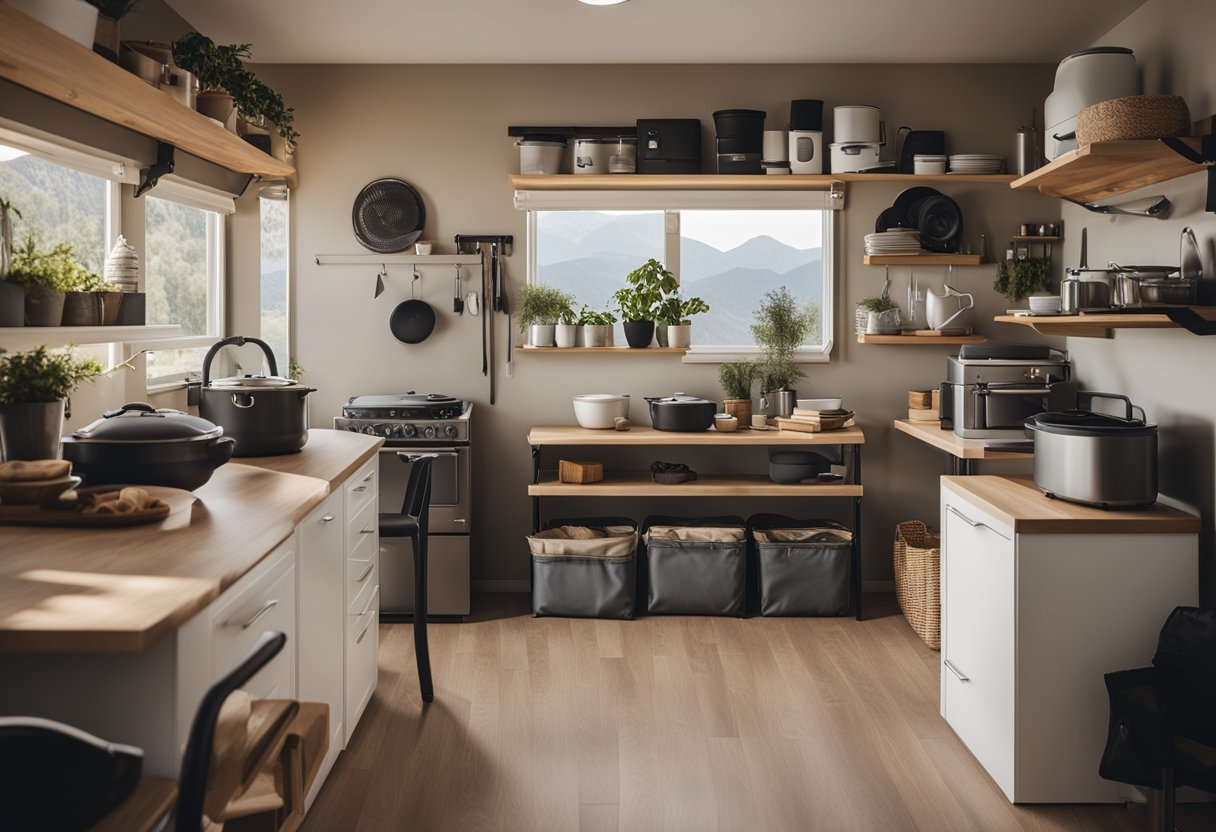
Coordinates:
(909,197)
(890,218)
(388,216)
(412,321)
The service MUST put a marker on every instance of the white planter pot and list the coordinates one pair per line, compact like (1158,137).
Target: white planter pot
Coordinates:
(541,335)
(75,19)
(566,335)
(595,336)
(680,336)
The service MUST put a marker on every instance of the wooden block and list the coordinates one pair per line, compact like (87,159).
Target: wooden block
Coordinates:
(920,399)
(922,415)
(937,399)
(580,472)
(800,427)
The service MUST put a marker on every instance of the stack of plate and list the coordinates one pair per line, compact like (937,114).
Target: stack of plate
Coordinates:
(976,163)
(896,241)
(122,266)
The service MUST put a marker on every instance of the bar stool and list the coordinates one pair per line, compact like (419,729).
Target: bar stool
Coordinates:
(411,522)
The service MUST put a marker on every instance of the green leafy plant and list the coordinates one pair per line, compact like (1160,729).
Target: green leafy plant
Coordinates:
(261,105)
(56,268)
(877,304)
(42,376)
(736,378)
(673,310)
(781,327)
(541,304)
(1017,279)
(217,68)
(295,371)
(115,9)
(590,317)
(648,285)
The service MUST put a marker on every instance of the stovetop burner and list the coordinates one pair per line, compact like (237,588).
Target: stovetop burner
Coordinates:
(406,407)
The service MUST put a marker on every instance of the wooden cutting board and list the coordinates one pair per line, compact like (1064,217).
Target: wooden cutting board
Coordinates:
(63,513)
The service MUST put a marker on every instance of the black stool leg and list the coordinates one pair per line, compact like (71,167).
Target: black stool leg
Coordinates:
(421,650)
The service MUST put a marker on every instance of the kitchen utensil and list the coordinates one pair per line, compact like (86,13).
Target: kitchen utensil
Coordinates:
(855,157)
(725,423)
(36,493)
(940,222)
(1188,256)
(892,218)
(266,415)
(624,158)
(806,114)
(806,151)
(380,275)
(820,404)
(458,293)
(776,146)
(412,321)
(1044,304)
(541,155)
(681,413)
(472,302)
(1157,291)
(142,445)
(1082,79)
(858,124)
(1026,150)
(1085,289)
(951,308)
(388,216)
(991,389)
(930,144)
(1126,282)
(424,249)
(906,201)
(592,154)
(1093,458)
(796,466)
(778,402)
(599,411)
(928,165)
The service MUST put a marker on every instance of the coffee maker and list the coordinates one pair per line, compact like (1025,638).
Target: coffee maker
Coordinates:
(991,389)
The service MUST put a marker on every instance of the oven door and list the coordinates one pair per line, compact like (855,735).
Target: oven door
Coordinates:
(451,497)
(1008,406)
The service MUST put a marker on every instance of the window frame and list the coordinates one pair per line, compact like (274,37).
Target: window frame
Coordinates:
(723,201)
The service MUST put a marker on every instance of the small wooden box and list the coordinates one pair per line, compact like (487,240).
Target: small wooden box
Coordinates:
(580,472)
(925,415)
(920,399)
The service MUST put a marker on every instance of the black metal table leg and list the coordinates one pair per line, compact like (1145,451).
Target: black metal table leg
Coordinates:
(857,533)
(421,649)
(535,521)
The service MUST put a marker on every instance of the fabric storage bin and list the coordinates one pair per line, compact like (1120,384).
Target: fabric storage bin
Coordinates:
(696,567)
(585,568)
(917,562)
(803,566)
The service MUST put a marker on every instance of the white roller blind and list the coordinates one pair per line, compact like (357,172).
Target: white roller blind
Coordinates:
(827,199)
(193,195)
(70,155)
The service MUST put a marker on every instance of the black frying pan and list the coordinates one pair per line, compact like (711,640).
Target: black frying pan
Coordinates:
(412,321)
(388,216)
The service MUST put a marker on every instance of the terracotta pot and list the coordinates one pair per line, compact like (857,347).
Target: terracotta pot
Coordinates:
(12,304)
(43,306)
(82,309)
(216,105)
(741,409)
(30,430)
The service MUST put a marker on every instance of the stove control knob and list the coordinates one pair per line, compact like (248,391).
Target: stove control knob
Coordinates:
(409,431)
(429,432)
(393,413)
(450,431)
(370,430)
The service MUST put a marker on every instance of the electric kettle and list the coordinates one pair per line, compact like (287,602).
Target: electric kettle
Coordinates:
(951,309)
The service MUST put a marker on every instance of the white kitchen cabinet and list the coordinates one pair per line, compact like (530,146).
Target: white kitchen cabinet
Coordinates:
(1039,600)
(362,592)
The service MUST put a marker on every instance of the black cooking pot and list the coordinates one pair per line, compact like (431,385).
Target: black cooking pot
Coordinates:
(139,444)
(681,413)
(266,415)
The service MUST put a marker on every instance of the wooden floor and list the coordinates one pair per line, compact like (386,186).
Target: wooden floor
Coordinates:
(672,723)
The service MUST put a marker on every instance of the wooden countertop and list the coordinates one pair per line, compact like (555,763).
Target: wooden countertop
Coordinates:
(122,590)
(574,435)
(330,455)
(1018,502)
(950,442)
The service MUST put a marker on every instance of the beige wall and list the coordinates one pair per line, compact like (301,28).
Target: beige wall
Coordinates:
(1167,372)
(443,128)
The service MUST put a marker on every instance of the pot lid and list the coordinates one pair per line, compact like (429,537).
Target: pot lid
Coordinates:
(1078,422)
(600,397)
(140,422)
(679,399)
(253,381)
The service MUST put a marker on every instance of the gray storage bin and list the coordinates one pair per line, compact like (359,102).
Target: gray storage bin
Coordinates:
(696,567)
(803,567)
(585,568)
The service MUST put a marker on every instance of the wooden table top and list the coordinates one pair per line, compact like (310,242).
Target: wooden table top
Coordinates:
(123,589)
(1018,502)
(330,455)
(950,442)
(638,435)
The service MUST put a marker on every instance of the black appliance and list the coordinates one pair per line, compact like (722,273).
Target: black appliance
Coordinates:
(920,143)
(669,145)
(806,114)
(740,140)
(936,216)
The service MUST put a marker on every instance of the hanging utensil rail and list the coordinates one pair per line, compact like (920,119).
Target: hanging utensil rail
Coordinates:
(397,259)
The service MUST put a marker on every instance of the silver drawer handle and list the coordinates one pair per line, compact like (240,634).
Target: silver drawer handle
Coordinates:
(267,607)
(329,518)
(369,476)
(972,523)
(371,602)
(962,677)
(371,564)
(360,488)
(359,638)
(367,531)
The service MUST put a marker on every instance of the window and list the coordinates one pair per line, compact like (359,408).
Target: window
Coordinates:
(273,206)
(728,249)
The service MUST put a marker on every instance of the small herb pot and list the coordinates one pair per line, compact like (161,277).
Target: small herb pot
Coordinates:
(12,304)
(43,306)
(566,335)
(541,335)
(82,309)
(639,333)
(679,336)
(595,335)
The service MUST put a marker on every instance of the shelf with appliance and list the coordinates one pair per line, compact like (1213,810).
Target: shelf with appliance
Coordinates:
(730,182)
(922,260)
(602,350)
(626,485)
(1105,169)
(1100,324)
(27,337)
(964,453)
(921,340)
(41,59)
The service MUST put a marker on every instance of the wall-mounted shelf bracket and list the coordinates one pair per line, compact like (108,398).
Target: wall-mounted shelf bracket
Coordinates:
(1205,155)
(150,175)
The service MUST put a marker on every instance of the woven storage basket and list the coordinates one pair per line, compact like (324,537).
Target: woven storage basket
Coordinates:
(1134,117)
(918,585)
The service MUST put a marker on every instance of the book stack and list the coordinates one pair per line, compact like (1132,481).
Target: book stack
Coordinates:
(923,405)
(816,421)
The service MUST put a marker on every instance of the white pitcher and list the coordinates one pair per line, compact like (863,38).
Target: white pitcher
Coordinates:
(944,310)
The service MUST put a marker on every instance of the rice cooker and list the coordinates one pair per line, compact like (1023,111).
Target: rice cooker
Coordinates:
(856,157)
(1082,79)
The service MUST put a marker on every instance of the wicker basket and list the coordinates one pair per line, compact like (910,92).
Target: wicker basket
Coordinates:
(1134,117)
(918,584)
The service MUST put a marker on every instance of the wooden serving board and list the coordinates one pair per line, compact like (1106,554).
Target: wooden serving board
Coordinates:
(64,513)
(825,426)
(951,332)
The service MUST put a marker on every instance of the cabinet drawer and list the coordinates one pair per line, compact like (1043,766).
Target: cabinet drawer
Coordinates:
(362,644)
(362,571)
(363,525)
(263,600)
(361,487)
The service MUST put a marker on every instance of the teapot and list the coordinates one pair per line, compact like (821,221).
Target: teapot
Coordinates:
(951,309)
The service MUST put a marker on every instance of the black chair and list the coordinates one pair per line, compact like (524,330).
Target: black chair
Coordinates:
(411,522)
(1162,730)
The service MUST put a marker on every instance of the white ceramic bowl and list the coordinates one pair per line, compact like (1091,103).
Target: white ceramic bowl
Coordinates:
(598,411)
(820,404)
(423,248)
(1044,303)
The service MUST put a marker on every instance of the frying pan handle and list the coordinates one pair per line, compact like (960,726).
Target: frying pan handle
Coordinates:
(1127,403)
(238,341)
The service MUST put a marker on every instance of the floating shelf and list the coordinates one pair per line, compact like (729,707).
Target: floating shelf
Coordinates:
(26,337)
(1104,169)
(922,260)
(641,485)
(39,58)
(922,340)
(603,350)
(397,259)
(730,182)
(1099,325)
(639,435)
(947,440)
(1031,239)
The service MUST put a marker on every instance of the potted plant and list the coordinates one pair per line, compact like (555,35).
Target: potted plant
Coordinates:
(12,295)
(45,275)
(595,327)
(220,72)
(673,320)
(264,111)
(33,387)
(781,327)
(109,12)
(90,300)
(639,302)
(1018,279)
(540,307)
(887,311)
(566,331)
(736,378)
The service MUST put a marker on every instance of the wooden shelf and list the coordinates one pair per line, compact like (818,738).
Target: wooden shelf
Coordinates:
(1031,239)
(641,485)
(39,58)
(397,259)
(729,182)
(603,350)
(1104,169)
(947,440)
(26,337)
(574,435)
(922,340)
(922,260)
(1098,325)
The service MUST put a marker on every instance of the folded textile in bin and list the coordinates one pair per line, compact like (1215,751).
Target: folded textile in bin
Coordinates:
(581,570)
(697,566)
(804,567)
